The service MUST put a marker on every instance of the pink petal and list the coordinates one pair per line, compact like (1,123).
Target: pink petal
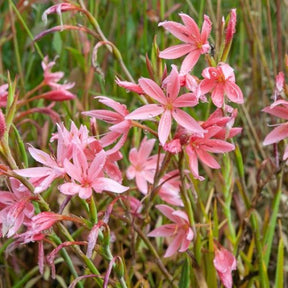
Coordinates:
(276,135)
(146,148)
(218,95)
(181,216)
(34,172)
(217,146)
(164,127)
(108,185)
(190,61)
(130,86)
(193,163)
(141,183)
(227,71)
(191,25)
(146,112)
(174,245)
(206,29)
(173,85)
(163,231)
(131,173)
(186,121)
(104,115)
(73,171)
(118,107)
(206,85)
(178,30)
(42,157)
(278,111)
(109,138)
(85,192)
(167,211)
(207,159)
(176,51)
(97,165)
(69,188)
(233,92)
(186,100)
(153,90)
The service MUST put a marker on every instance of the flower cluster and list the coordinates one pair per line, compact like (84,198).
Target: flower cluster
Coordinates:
(85,166)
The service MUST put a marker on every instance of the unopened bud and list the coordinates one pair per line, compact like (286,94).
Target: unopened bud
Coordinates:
(119,267)
(2,124)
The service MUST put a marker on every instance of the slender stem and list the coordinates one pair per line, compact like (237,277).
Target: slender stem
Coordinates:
(183,192)
(67,259)
(26,28)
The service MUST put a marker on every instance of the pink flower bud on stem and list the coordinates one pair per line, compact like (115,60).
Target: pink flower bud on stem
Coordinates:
(230,31)
(2,124)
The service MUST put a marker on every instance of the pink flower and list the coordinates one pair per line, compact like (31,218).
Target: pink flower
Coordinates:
(195,42)
(221,81)
(16,209)
(42,177)
(224,263)
(180,230)
(3,95)
(168,106)
(200,148)
(39,223)
(120,127)
(88,176)
(142,165)
(169,188)
(59,91)
(279,109)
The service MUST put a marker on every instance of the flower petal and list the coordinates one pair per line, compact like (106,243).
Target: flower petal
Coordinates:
(186,121)
(276,135)
(164,127)
(146,112)
(176,51)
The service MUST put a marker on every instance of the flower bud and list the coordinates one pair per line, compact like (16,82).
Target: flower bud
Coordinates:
(2,124)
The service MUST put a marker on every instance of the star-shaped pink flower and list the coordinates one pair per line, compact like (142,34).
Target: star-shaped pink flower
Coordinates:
(169,104)
(196,42)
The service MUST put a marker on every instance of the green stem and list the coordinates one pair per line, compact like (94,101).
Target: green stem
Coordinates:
(184,193)
(269,235)
(26,28)
(67,258)
(79,252)
(93,211)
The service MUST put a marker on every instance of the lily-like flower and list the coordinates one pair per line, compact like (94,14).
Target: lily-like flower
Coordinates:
(143,165)
(87,177)
(195,43)
(16,209)
(220,81)
(168,106)
(42,177)
(180,230)
(224,263)
(200,148)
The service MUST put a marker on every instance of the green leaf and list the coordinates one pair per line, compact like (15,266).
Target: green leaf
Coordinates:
(57,43)
(279,281)
(185,274)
